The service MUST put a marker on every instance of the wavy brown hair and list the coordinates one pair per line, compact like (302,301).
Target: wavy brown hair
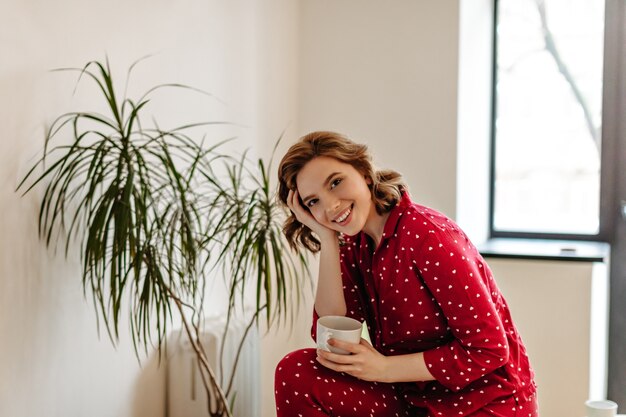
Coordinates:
(386,185)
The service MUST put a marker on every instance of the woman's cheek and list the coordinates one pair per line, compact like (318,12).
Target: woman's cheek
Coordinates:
(317,214)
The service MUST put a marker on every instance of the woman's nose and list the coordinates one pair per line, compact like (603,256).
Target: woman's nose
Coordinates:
(332,206)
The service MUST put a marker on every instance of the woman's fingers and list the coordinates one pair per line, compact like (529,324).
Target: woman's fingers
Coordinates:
(336,362)
(334,357)
(296,208)
(347,346)
(293,202)
(365,362)
(304,216)
(353,348)
(290,200)
(338,367)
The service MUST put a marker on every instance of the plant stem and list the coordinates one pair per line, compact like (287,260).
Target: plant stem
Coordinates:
(213,389)
(240,348)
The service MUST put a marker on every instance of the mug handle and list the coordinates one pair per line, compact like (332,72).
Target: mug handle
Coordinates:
(323,343)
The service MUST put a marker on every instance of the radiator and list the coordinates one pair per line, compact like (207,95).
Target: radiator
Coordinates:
(186,396)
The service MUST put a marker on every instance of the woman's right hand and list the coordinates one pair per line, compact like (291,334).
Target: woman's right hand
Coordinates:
(306,218)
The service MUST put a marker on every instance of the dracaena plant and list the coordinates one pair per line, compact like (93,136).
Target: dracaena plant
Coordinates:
(155,214)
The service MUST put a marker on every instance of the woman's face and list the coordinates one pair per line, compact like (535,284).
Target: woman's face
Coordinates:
(336,194)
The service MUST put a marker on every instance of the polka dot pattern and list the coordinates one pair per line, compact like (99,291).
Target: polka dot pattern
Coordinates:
(425,288)
(305,388)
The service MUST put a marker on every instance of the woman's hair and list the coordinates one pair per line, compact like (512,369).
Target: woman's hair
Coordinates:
(386,185)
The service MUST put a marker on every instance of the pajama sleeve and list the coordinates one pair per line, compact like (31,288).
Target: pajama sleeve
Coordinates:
(462,285)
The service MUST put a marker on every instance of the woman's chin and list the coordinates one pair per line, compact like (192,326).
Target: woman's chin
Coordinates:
(349,230)
(349,233)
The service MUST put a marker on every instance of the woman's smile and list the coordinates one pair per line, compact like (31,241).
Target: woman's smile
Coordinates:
(345,216)
(339,197)
(336,194)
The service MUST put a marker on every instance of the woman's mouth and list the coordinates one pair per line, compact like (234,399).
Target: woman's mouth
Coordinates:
(345,217)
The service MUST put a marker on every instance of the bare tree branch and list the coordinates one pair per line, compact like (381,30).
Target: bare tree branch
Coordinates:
(552,49)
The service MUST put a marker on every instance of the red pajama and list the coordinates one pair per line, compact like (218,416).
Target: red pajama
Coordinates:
(425,288)
(304,388)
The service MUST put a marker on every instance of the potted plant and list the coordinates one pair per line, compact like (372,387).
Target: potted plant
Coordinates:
(155,214)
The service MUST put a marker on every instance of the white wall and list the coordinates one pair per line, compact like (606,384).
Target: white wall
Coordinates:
(386,75)
(277,83)
(52,362)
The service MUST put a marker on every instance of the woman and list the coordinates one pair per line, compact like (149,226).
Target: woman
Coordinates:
(443,340)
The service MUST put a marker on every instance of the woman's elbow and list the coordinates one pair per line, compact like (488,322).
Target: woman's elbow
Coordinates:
(495,355)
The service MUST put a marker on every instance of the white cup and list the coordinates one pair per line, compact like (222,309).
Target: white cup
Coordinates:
(337,327)
(602,408)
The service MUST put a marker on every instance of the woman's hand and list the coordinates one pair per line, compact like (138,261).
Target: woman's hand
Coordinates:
(365,362)
(306,218)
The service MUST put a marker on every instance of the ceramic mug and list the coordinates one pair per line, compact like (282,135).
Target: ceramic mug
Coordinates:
(602,408)
(337,327)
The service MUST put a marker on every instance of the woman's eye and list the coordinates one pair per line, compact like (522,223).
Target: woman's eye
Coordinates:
(335,183)
(311,202)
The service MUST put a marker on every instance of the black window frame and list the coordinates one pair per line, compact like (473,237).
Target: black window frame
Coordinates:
(608,145)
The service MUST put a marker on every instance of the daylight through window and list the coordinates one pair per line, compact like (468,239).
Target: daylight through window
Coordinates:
(547,116)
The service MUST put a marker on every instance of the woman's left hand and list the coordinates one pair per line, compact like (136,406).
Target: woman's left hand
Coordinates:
(365,362)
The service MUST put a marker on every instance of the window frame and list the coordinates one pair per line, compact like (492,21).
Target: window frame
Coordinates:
(608,163)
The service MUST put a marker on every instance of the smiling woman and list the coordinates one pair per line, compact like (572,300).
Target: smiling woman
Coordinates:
(341,202)
(443,340)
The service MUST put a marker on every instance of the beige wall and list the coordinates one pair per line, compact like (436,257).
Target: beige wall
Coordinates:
(386,74)
(52,362)
(277,83)
(551,304)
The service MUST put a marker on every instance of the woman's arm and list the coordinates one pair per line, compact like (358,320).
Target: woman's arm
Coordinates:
(463,287)
(329,299)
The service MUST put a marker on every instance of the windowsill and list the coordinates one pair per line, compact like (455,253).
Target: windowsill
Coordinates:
(548,250)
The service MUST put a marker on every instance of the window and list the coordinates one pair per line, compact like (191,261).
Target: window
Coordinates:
(547,115)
